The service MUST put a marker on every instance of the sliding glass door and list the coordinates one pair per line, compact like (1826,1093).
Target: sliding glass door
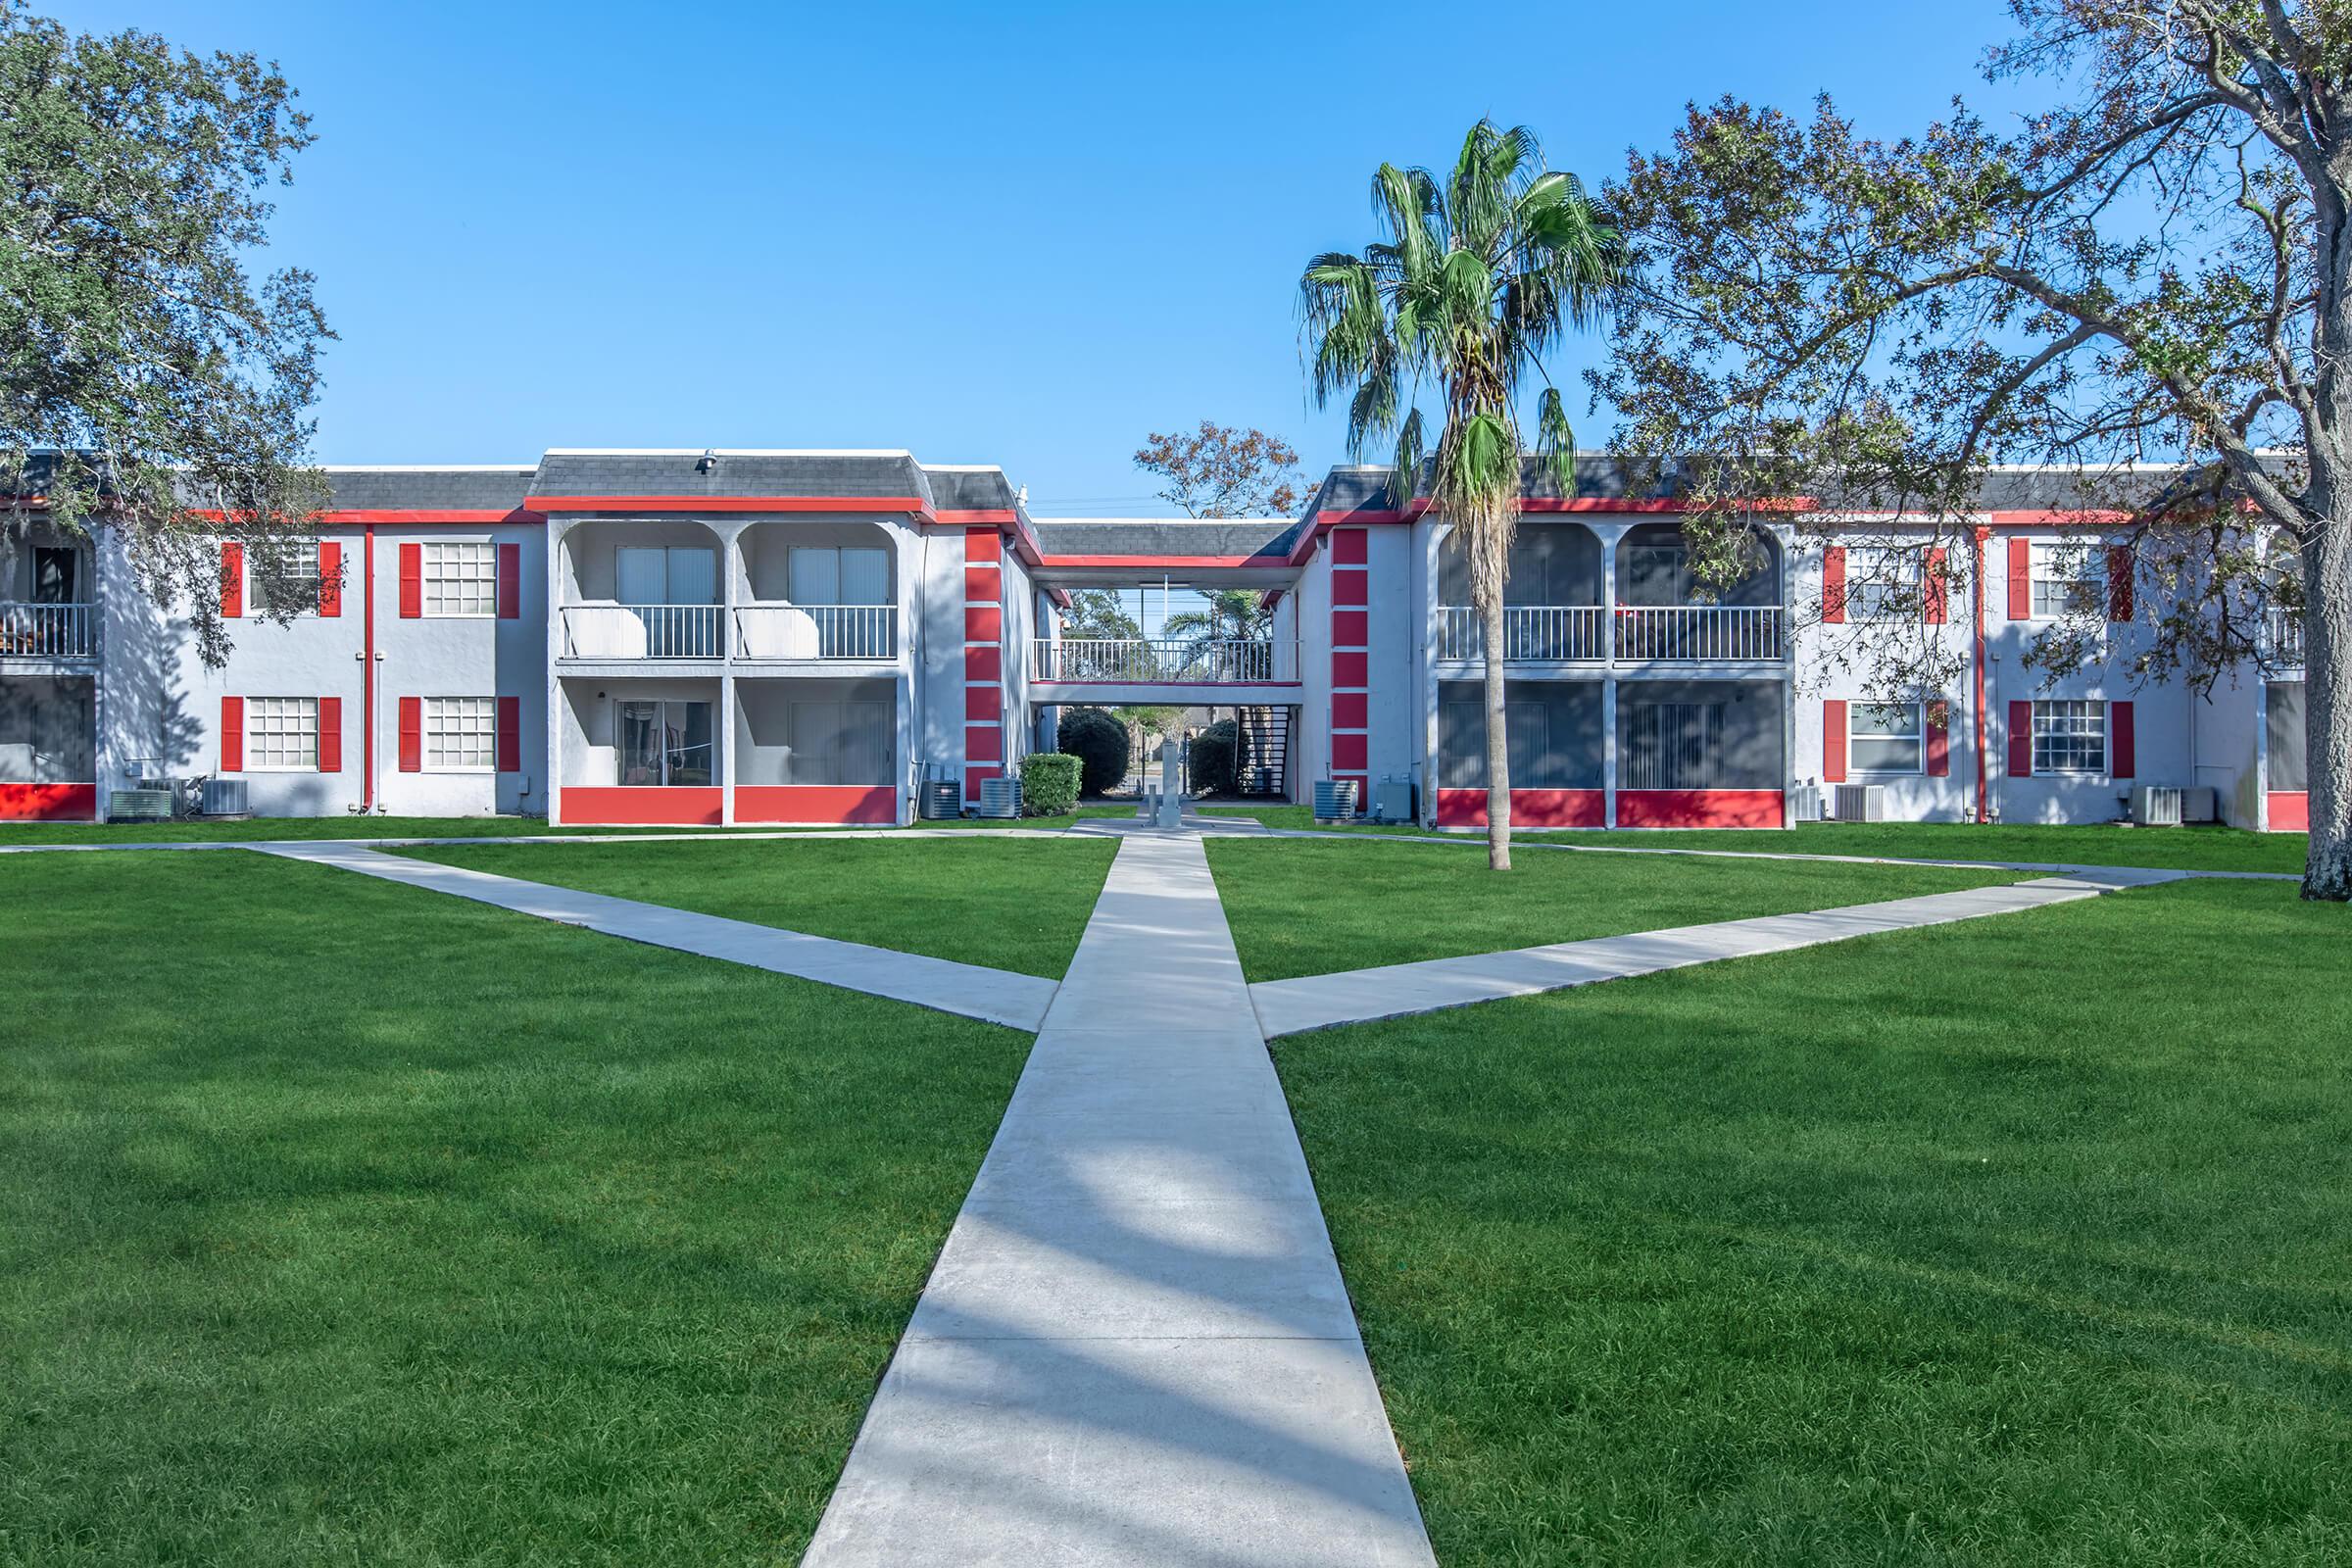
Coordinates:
(666,743)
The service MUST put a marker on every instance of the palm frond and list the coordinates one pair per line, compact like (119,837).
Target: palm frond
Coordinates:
(1555,441)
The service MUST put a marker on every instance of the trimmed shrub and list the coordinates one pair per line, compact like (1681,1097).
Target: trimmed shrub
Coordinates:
(1216,759)
(1048,783)
(1100,743)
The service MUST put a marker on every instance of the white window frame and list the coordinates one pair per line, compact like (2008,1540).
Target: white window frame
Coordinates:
(268,721)
(435,720)
(1875,573)
(2070,720)
(2050,585)
(258,589)
(1855,737)
(433,598)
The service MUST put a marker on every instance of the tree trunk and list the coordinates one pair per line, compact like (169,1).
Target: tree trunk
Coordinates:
(2327,701)
(1498,738)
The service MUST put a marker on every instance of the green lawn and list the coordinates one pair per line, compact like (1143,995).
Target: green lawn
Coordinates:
(1009,904)
(257,829)
(2015,1242)
(2187,849)
(1301,907)
(346,1223)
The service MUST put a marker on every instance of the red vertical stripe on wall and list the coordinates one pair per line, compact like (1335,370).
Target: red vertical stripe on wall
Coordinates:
(1833,741)
(2121,760)
(2021,580)
(2119,582)
(2021,740)
(510,734)
(412,734)
(510,582)
(1833,584)
(412,581)
(1934,607)
(233,734)
(330,734)
(232,579)
(1940,738)
(330,578)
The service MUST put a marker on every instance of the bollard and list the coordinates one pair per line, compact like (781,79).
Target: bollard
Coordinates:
(1171,787)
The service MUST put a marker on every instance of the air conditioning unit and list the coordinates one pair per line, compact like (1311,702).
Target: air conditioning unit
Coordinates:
(2170,806)
(1804,803)
(1334,798)
(1392,801)
(224,797)
(1858,802)
(1000,797)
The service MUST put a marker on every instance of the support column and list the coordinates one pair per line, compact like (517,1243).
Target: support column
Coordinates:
(724,733)
(1609,681)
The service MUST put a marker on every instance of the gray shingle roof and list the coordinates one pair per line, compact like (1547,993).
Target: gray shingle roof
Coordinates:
(1266,537)
(429,489)
(867,475)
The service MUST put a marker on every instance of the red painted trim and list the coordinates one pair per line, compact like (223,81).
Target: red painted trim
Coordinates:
(1157,562)
(1188,685)
(983,743)
(815,803)
(412,581)
(2021,580)
(233,734)
(519,516)
(48,803)
(1939,717)
(983,663)
(1003,516)
(1351,628)
(1529,808)
(636,804)
(1351,586)
(1699,808)
(330,734)
(2119,582)
(510,734)
(2122,752)
(984,702)
(1833,584)
(232,580)
(1351,547)
(2021,740)
(510,582)
(2288,812)
(1350,670)
(552,504)
(1934,593)
(1977,539)
(368,668)
(1350,753)
(412,734)
(2055,519)
(983,585)
(983,624)
(331,579)
(1833,741)
(1353,711)
(982,547)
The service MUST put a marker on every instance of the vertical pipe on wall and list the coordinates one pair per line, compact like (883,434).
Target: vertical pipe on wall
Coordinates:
(368,682)
(1976,668)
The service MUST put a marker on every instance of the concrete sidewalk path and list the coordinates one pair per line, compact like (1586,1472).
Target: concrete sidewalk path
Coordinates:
(993,995)
(1394,991)
(1135,1348)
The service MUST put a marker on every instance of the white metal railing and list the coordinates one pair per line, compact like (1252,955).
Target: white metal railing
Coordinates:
(48,631)
(642,631)
(1533,632)
(1173,660)
(817,631)
(2283,639)
(1699,632)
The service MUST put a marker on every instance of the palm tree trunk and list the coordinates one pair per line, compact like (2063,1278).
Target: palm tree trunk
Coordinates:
(1498,738)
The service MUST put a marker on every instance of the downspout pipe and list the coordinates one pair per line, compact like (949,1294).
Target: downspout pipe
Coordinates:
(367,671)
(1977,537)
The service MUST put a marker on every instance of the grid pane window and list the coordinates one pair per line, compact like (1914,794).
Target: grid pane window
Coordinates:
(461,733)
(460,579)
(293,588)
(281,732)
(2070,737)
(2068,580)
(1885,737)
(1882,584)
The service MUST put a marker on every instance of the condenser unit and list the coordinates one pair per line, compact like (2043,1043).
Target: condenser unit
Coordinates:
(1392,800)
(2170,806)
(1000,797)
(224,797)
(1859,802)
(1334,798)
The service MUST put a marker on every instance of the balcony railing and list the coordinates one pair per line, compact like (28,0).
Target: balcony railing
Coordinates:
(1531,632)
(1697,633)
(2283,639)
(48,631)
(1169,661)
(642,631)
(817,631)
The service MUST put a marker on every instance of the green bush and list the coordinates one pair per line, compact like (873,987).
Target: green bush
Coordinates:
(1216,759)
(1048,783)
(1100,743)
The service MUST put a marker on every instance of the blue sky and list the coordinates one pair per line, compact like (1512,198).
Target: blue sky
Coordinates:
(1022,235)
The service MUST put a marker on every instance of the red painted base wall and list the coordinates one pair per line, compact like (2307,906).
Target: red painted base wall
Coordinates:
(1698,808)
(2289,812)
(48,803)
(1529,808)
(815,803)
(631,806)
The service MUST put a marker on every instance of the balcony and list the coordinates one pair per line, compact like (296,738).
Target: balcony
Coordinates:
(48,631)
(643,631)
(1693,634)
(1164,660)
(845,633)
(2282,640)
(1531,633)
(857,632)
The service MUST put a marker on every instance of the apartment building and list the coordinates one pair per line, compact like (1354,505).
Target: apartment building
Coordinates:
(705,638)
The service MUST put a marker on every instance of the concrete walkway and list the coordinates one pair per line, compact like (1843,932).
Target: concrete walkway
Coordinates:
(994,996)
(1393,991)
(1135,1348)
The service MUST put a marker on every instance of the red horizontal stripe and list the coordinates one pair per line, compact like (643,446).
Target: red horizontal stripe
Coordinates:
(727,504)
(1076,563)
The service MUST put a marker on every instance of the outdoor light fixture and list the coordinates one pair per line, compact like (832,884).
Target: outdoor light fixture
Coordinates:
(708,461)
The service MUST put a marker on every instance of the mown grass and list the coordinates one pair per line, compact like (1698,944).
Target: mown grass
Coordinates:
(261,828)
(346,1223)
(2181,848)
(1009,904)
(1301,907)
(2014,1242)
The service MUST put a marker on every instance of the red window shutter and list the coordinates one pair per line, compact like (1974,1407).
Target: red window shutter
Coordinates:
(233,734)
(1833,584)
(2119,582)
(2021,580)
(330,577)
(1833,741)
(330,734)
(412,734)
(232,579)
(1934,606)
(2021,740)
(510,734)
(510,582)
(412,581)
(2121,762)
(1940,738)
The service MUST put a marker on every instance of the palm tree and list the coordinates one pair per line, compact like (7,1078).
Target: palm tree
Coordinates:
(1236,614)
(1478,276)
